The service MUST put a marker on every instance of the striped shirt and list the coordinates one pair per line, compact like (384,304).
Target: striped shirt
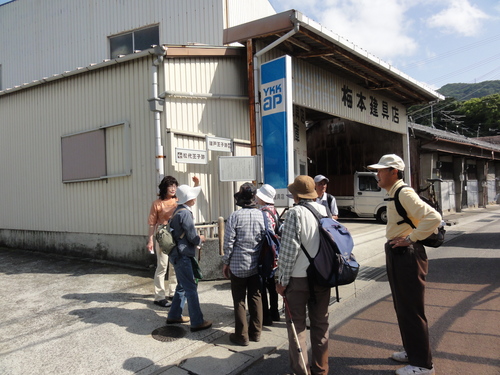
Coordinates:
(242,236)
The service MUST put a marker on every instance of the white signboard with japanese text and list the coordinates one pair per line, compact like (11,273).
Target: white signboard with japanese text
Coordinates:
(237,168)
(184,155)
(219,144)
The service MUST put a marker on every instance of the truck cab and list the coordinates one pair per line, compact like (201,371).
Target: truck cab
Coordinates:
(368,199)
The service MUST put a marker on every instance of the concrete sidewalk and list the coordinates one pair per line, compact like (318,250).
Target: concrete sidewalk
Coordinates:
(68,316)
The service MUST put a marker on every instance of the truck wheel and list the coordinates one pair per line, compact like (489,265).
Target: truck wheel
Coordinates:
(382,215)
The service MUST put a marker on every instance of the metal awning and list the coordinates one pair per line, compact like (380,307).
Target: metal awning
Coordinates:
(320,47)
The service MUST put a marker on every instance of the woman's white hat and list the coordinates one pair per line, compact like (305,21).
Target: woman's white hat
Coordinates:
(266,193)
(185,193)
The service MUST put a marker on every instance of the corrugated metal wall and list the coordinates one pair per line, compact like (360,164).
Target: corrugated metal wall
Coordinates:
(50,37)
(189,119)
(33,121)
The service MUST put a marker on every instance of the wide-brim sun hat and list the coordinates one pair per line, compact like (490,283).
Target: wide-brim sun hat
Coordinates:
(389,161)
(185,193)
(266,193)
(303,187)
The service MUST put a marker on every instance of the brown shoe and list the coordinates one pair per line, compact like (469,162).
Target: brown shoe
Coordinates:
(237,340)
(182,319)
(255,338)
(205,325)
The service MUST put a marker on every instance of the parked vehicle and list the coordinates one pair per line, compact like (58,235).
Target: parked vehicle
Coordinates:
(368,198)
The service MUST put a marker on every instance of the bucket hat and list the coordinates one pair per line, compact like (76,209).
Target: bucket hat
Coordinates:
(389,161)
(246,194)
(303,187)
(185,193)
(266,193)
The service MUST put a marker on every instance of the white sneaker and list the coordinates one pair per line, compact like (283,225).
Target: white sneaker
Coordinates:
(414,370)
(400,356)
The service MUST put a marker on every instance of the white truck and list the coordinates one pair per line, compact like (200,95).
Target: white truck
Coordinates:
(368,199)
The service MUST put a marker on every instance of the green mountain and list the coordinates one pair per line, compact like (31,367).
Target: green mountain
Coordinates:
(466,91)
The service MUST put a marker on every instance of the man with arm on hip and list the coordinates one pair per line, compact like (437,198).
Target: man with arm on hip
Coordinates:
(407,265)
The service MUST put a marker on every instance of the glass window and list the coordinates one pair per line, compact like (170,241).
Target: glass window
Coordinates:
(137,40)
(145,38)
(121,45)
(368,183)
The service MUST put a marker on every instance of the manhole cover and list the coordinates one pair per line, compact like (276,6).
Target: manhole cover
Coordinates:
(168,333)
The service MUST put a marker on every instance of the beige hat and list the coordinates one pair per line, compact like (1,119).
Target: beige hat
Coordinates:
(266,193)
(303,187)
(185,193)
(389,161)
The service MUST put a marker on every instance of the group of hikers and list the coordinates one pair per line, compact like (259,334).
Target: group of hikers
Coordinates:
(406,264)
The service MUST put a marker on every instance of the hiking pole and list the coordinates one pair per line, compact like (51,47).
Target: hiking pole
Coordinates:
(299,349)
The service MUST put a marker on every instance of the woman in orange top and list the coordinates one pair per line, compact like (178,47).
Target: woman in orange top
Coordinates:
(160,213)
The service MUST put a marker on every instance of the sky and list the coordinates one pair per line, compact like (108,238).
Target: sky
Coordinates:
(435,42)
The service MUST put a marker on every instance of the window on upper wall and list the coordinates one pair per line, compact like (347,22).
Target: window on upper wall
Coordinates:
(137,40)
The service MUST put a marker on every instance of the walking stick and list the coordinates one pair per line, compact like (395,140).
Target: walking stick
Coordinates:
(299,349)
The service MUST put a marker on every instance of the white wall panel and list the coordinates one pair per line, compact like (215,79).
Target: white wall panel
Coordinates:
(32,124)
(188,119)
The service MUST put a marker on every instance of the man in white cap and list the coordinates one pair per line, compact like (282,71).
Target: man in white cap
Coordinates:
(327,200)
(407,265)
(187,239)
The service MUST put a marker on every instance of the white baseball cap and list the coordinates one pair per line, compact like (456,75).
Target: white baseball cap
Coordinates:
(266,193)
(320,178)
(389,161)
(185,193)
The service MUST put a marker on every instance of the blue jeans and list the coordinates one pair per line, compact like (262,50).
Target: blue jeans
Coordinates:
(186,290)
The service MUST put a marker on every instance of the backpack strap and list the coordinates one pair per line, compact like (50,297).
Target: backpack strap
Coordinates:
(400,209)
(266,220)
(171,217)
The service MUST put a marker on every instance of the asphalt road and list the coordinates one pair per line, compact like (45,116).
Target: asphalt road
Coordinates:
(462,307)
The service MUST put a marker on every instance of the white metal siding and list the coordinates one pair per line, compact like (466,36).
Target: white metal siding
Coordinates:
(32,124)
(50,37)
(189,119)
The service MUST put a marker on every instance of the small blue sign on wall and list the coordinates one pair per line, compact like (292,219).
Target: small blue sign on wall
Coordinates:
(276,112)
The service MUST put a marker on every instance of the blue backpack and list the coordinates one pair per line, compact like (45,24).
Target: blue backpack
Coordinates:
(269,250)
(334,264)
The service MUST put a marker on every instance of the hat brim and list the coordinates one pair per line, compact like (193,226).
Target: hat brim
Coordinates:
(378,166)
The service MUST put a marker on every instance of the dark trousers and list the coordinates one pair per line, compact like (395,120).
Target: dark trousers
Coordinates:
(239,289)
(406,270)
(269,305)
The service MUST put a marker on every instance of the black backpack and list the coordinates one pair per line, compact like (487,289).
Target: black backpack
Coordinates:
(435,239)
(334,264)
(269,250)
